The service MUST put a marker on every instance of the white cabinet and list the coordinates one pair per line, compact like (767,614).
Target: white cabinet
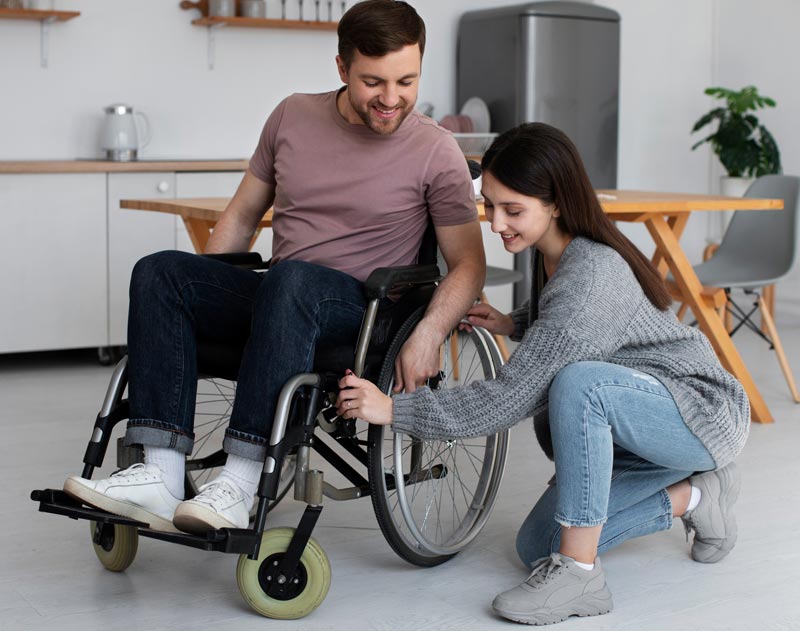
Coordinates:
(133,234)
(52,261)
(67,250)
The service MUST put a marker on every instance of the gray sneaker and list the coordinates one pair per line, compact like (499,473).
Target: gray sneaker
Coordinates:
(556,590)
(712,520)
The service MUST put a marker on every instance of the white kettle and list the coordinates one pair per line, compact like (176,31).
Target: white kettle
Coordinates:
(124,132)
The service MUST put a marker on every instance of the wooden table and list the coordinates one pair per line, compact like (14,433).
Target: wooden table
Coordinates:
(664,215)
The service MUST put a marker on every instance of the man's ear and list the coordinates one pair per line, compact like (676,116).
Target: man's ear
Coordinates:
(342,68)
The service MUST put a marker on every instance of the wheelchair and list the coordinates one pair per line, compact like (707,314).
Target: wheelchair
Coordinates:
(430,497)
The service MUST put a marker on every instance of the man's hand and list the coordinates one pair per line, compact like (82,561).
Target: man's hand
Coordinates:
(417,361)
(489,318)
(362,399)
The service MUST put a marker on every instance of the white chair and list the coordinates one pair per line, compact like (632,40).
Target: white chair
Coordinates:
(759,249)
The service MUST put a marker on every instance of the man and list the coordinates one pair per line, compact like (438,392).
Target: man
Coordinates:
(354,177)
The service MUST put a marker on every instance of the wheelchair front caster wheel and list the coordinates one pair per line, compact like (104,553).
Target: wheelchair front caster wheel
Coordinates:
(114,545)
(307,588)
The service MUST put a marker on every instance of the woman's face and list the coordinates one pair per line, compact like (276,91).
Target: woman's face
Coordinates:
(521,221)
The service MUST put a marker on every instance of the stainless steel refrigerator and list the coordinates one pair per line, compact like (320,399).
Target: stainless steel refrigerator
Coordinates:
(552,62)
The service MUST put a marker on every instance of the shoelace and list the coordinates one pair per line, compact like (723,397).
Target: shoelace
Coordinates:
(543,569)
(217,491)
(135,469)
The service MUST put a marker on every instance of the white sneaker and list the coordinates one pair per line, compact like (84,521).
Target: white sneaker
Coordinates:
(219,504)
(137,492)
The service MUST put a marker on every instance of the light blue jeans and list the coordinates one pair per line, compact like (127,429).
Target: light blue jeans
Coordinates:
(618,443)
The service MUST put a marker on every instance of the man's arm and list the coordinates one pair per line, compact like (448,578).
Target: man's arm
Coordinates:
(462,248)
(240,219)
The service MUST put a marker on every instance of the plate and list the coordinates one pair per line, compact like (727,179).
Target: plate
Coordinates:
(478,111)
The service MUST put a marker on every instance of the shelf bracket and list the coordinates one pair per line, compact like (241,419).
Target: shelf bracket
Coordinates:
(44,40)
(211,29)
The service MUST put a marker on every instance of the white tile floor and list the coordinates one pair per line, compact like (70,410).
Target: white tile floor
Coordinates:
(50,578)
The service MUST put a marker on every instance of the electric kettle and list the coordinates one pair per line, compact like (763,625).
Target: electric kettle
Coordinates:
(124,132)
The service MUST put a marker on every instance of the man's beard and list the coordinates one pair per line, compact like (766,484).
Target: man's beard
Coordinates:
(383,128)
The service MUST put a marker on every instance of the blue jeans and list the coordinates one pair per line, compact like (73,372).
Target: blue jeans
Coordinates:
(618,443)
(277,317)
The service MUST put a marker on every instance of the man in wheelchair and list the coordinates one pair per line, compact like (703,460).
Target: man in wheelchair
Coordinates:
(355,176)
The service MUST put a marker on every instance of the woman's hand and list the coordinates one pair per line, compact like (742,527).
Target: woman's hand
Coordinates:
(362,399)
(489,318)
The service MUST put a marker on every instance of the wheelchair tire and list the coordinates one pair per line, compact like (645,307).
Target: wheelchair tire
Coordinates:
(448,487)
(214,402)
(117,547)
(312,579)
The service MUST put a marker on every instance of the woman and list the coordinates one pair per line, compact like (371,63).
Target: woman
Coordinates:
(642,421)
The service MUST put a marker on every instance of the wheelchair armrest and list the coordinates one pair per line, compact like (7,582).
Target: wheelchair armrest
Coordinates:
(247,260)
(383,279)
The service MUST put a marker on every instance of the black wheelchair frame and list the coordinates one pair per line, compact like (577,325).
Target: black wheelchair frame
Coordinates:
(304,400)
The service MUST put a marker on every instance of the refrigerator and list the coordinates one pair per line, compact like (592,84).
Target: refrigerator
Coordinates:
(550,62)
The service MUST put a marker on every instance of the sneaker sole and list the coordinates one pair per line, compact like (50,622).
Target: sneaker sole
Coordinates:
(198,520)
(93,498)
(709,553)
(597,605)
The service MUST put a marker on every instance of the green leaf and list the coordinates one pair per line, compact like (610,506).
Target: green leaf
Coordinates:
(742,144)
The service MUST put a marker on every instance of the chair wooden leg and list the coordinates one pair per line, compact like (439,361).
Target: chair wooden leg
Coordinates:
(776,342)
(682,311)
(501,344)
(727,316)
(454,353)
(768,293)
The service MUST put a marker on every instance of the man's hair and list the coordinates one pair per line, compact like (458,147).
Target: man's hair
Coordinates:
(378,27)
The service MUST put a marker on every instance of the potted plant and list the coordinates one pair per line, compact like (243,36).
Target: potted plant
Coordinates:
(743,145)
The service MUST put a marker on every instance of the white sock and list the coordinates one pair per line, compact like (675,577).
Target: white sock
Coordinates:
(694,500)
(172,464)
(244,473)
(585,566)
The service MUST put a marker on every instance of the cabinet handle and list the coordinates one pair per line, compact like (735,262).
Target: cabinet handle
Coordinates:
(163,187)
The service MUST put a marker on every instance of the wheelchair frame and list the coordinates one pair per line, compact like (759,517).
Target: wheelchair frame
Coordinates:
(299,399)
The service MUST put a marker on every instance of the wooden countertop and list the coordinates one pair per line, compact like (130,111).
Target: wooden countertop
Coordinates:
(107,166)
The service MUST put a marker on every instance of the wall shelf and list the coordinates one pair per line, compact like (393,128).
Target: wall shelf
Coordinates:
(266,23)
(45,19)
(35,14)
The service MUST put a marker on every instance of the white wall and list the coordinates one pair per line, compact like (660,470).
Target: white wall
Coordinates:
(148,54)
(759,46)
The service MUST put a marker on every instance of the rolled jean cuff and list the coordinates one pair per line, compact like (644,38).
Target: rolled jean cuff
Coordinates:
(151,433)
(245,445)
(579,523)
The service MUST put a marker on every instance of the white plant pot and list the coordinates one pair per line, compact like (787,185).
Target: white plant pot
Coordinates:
(734,186)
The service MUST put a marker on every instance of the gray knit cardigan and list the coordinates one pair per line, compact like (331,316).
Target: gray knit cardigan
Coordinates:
(592,309)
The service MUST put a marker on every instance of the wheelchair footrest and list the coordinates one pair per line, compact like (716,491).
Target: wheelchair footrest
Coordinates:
(59,503)
(229,540)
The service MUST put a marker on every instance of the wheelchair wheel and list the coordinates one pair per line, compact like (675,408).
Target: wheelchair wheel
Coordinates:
(114,545)
(212,413)
(308,587)
(432,497)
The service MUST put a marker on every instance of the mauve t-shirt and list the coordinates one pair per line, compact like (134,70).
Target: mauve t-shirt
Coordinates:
(353,200)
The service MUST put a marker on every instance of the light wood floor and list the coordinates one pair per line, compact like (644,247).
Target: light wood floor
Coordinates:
(50,578)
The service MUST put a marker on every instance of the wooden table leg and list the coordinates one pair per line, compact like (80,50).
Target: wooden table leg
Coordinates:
(199,232)
(676,223)
(707,318)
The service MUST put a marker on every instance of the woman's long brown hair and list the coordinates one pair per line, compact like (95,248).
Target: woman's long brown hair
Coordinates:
(540,161)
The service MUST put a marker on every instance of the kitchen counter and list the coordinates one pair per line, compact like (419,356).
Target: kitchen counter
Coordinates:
(106,166)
